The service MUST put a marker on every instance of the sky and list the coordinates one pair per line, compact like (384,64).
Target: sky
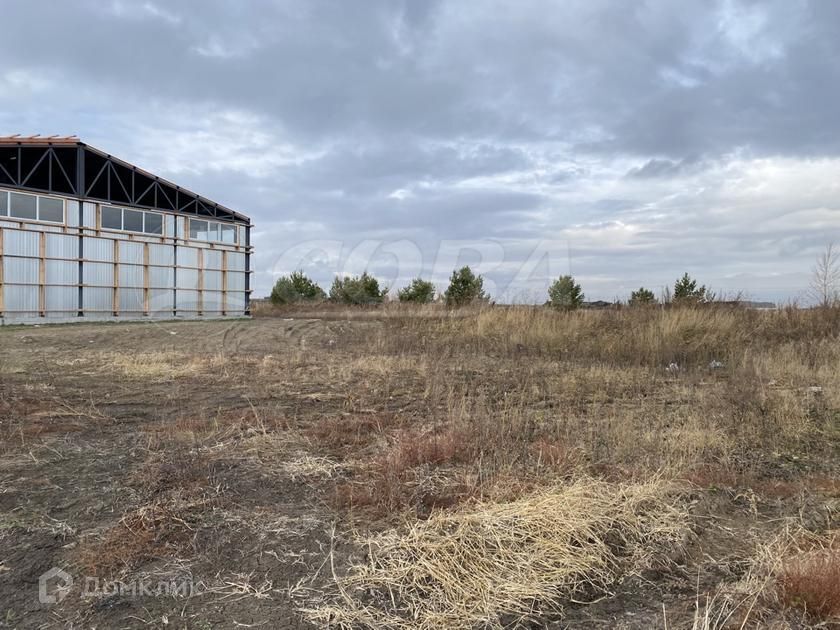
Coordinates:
(624,142)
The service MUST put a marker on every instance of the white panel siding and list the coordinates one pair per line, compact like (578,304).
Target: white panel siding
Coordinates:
(131,276)
(63,299)
(187,257)
(235,281)
(20,270)
(62,272)
(131,300)
(162,277)
(72,213)
(236,261)
(212,302)
(187,300)
(161,300)
(187,278)
(62,246)
(98,249)
(212,259)
(161,255)
(131,253)
(20,243)
(89,217)
(213,280)
(21,299)
(95,299)
(98,274)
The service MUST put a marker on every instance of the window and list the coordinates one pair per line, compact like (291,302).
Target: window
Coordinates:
(212,231)
(153,223)
(4,204)
(23,206)
(112,218)
(228,233)
(132,220)
(198,230)
(50,209)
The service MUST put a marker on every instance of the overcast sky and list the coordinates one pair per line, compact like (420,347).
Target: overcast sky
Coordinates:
(630,141)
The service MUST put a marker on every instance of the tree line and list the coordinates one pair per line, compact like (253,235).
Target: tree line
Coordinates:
(465,288)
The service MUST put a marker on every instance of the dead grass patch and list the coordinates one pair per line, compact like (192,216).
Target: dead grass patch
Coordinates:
(811,582)
(494,565)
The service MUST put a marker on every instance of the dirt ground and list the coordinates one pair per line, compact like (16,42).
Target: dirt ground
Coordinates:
(228,456)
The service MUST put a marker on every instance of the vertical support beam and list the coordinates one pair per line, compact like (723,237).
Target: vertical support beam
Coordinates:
(146,309)
(224,281)
(80,185)
(175,269)
(42,274)
(2,288)
(248,270)
(115,299)
(200,281)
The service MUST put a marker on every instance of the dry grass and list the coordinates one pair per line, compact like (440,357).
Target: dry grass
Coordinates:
(493,564)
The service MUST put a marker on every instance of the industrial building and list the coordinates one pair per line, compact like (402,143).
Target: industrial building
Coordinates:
(84,235)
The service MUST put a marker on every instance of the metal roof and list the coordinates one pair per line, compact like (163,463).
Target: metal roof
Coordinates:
(64,165)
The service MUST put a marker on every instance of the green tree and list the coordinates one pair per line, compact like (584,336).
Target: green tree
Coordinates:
(565,293)
(464,288)
(642,297)
(296,287)
(362,289)
(419,291)
(686,290)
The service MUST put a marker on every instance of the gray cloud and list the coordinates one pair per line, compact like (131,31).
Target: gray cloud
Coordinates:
(642,138)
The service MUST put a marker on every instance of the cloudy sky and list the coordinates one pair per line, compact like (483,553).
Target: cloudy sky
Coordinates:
(626,141)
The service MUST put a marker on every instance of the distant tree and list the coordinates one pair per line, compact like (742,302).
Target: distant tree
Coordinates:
(464,288)
(419,292)
(825,279)
(565,293)
(642,297)
(362,289)
(296,287)
(686,290)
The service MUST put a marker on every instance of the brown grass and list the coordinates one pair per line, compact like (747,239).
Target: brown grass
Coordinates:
(495,565)
(810,581)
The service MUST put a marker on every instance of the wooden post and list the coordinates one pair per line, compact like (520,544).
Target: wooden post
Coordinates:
(2,288)
(115,302)
(42,274)
(146,279)
(224,282)
(200,281)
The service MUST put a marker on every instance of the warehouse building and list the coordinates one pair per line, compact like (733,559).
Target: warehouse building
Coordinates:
(85,235)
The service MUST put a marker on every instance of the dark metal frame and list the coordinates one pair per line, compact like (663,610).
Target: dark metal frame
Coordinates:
(78,170)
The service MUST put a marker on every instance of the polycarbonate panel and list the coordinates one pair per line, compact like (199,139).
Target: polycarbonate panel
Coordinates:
(131,253)
(213,280)
(72,213)
(19,298)
(89,217)
(161,255)
(187,257)
(61,299)
(235,281)
(98,249)
(169,225)
(62,246)
(187,278)
(241,229)
(212,301)
(97,299)
(212,259)
(236,261)
(62,272)
(131,276)
(98,274)
(20,243)
(161,300)
(131,300)
(236,303)
(161,277)
(181,222)
(20,270)
(187,300)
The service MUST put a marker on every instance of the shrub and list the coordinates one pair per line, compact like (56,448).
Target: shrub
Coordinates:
(362,289)
(464,288)
(642,297)
(686,290)
(296,287)
(419,291)
(565,293)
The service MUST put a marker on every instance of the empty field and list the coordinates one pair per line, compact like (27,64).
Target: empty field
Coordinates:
(424,468)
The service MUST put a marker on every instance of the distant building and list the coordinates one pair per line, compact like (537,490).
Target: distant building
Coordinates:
(85,235)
